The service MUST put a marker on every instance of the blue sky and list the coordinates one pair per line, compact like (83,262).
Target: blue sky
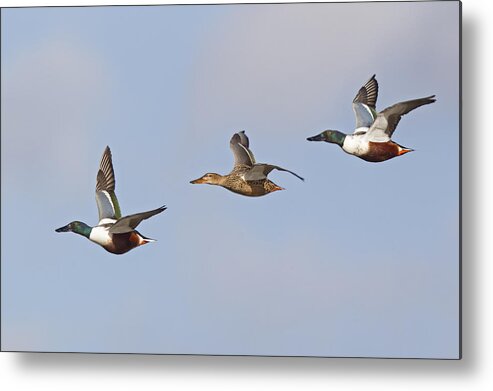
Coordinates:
(359,260)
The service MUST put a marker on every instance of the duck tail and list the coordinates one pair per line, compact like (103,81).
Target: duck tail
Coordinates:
(144,240)
(403,150)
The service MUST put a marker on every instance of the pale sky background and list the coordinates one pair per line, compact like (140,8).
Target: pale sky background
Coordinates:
(360,260)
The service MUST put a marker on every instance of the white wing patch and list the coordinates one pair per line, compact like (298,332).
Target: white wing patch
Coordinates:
(108,197)
(107,220)
(363,114)
(105,204)
(367,108)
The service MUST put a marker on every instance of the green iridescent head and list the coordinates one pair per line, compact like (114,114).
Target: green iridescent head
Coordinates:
(329,136)
(77,227)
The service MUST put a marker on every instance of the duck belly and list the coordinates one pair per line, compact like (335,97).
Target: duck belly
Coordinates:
(250,189)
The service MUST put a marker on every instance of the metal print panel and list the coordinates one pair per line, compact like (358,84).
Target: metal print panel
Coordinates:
(270,179)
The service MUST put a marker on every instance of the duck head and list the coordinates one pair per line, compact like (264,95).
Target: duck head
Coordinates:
(77,227)
(210,178)
(329,136)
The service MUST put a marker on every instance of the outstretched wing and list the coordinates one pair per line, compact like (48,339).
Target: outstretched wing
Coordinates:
(130,222)
(364,104)
(106,200)
(386,121)
(239,145)
(260,172)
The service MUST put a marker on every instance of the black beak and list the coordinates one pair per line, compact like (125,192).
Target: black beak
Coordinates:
(318,137)
(63,229)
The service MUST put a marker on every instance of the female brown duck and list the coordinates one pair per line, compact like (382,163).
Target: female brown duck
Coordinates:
(247,177)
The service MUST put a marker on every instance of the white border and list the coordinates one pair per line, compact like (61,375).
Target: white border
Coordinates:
(475,372)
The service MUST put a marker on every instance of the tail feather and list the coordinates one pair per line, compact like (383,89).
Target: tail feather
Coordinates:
(143,240)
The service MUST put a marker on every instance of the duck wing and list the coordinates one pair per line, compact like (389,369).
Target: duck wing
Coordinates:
(130,222)
(106,200)
(364,104)
(387,120)
(260,171)
(239,145)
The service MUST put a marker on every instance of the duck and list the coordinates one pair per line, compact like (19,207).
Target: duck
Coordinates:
(248,177)
(116,234)
(371,139)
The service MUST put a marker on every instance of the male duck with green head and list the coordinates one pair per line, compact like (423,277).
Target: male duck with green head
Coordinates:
(114,233)
(371,138)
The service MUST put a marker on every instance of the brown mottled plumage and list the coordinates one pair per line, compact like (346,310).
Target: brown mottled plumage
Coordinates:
(247,177)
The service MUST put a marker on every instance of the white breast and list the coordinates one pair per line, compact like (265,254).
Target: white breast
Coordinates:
(356,144)
(100,235)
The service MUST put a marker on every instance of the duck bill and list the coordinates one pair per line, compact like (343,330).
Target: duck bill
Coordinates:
(63,229)
(318,137)
(198,181)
